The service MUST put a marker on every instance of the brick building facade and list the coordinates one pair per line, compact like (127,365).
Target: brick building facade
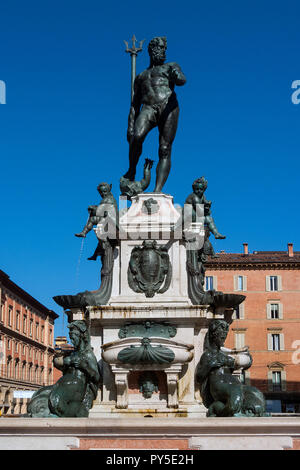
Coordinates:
(26,344)
(268,321)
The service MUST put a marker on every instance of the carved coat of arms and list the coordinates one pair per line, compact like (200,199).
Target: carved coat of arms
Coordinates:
(149,270)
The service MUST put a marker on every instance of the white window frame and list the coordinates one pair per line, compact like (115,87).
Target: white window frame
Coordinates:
(270,378)
(277,384)
(239,339)
(214,282)
(236,285)
(241,308)
(269,309)
(271,341)
(268,283)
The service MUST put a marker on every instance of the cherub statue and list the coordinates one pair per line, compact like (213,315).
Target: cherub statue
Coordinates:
(197,199)
(74,393)
(107,207)
(132,188)
(222,393)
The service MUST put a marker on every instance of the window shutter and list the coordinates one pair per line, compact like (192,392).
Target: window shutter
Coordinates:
(244,283)
(279,282)
(215,282)
(270,348)
(270,383)
(283,381)
(269,311)
(281,342)
(235,282)
(239,340)
(268,283)
(280,311)
(242,310)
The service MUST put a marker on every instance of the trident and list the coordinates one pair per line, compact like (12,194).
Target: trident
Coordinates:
(133,53)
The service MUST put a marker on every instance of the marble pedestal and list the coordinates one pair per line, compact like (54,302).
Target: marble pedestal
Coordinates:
(151,217)
(179,394)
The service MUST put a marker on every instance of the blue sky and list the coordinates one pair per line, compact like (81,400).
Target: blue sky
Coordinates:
(63,129)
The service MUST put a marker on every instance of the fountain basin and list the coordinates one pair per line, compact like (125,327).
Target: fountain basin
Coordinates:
(154,350)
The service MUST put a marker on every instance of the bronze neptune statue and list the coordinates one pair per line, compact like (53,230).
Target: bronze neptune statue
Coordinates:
(154,104)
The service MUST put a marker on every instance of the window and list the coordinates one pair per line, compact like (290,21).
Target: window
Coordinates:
(23,371)
(239,340)
(18,320)
(2,313)
(25,324)
(209,283)
(41,374)
(9,366)
(10,314)
(274,310)
(30,327)
(239,312)
(50,336)
(16,370)
(240,282)
(273,283)
(36,375)
(42,333)
(276,380)
(37,331)
(275,342)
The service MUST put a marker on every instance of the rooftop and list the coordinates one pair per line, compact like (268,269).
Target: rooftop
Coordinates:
(288,257)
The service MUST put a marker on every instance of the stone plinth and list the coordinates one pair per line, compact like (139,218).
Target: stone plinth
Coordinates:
(161,433)
(137,225)
(179,394)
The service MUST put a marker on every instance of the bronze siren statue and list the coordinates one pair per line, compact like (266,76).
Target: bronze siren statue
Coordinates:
(73,394)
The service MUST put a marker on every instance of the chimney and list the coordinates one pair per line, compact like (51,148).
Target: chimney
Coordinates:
(290,250)
(245,248)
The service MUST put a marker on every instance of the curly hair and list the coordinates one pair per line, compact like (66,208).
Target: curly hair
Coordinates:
(214,326)
(104,184)
(82,327)
(201,180)
(155,41)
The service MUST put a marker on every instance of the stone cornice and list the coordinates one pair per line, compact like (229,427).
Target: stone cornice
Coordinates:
(156,428)
(256,265)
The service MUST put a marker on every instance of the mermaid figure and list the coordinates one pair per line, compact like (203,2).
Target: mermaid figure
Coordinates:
(73,394)
(223,393)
